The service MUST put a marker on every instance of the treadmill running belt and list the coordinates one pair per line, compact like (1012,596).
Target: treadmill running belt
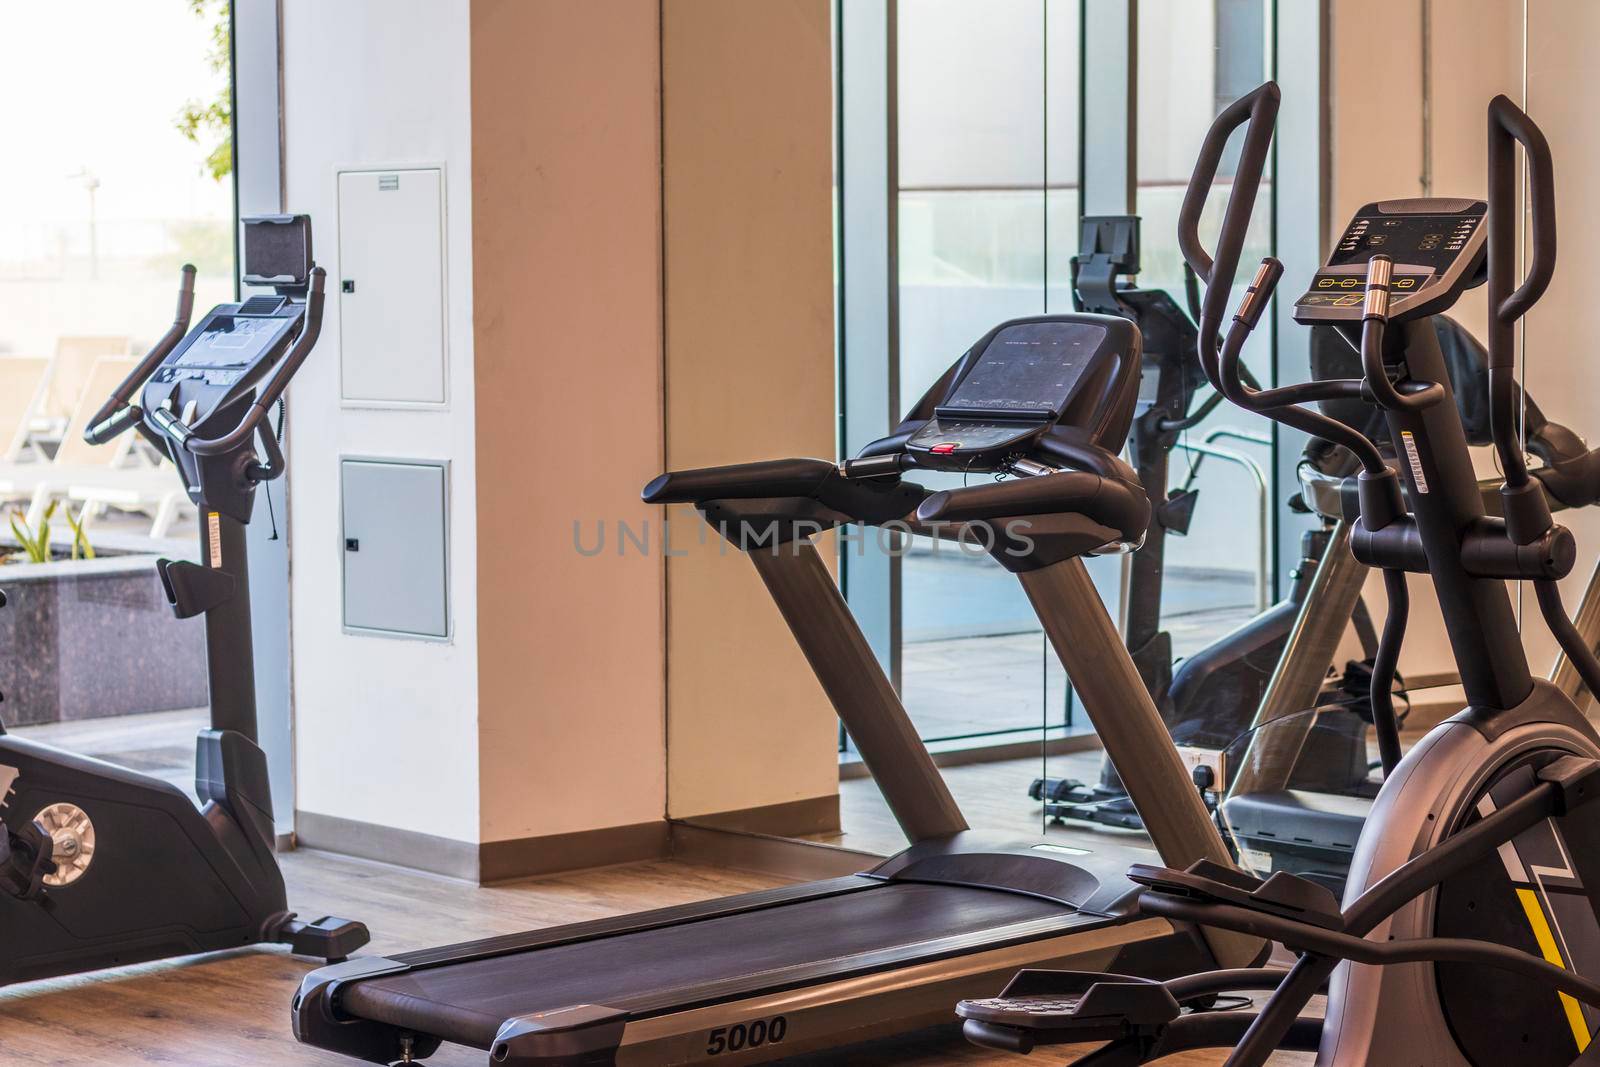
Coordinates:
(466,1003)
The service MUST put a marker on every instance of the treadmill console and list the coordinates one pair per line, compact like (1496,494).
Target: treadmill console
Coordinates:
(1012,387)
(1437,246)
(235,345)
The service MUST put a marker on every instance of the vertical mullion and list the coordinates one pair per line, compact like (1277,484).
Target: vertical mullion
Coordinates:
(259,188)
(1108,102)
(1300,208)
(869,292)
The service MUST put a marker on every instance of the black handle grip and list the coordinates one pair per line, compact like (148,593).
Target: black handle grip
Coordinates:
(114,415)
(120,420)
(1374,322)
(1508,125)
(1258,108)
(172,426)
(769,478)
(1107,501)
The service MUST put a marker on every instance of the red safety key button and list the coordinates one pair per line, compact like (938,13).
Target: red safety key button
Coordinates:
(943,449)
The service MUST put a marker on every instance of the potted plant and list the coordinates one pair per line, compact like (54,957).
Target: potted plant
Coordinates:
(89,634)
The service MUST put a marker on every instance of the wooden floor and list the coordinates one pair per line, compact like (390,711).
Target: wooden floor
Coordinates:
(231,1010)
(993,796)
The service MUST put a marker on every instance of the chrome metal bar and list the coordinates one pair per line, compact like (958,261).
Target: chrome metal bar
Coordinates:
(1233,433)
(1263,510)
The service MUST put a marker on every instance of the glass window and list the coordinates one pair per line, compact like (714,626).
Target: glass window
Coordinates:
(979,110)
(1194,60)
(988,145)
(118,171)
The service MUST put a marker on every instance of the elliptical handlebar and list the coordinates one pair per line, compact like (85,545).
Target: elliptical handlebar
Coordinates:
(1508,125)
(1258,108)
(1220,359)
(1374,323)
(117,413)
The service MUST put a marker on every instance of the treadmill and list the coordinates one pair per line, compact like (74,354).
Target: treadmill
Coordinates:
(1048,401)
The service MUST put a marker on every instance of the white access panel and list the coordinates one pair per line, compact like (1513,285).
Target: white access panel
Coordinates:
(391,286)
(396,546)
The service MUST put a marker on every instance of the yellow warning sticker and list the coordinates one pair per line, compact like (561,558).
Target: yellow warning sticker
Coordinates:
(214,529)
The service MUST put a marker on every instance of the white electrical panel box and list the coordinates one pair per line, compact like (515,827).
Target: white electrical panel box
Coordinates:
(394,522)
(391,287)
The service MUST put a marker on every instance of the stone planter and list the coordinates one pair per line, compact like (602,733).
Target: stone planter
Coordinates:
(94,638)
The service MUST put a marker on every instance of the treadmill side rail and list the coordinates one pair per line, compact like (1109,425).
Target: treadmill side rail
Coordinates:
(318,1022)
(586,1033)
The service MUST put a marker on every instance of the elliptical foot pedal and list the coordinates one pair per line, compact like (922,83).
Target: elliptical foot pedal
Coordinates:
(1576,778)
(328,938)
(1040,1007)
(1282,894)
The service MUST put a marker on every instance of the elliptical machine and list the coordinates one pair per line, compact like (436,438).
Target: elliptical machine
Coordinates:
(1212,697)
(100,865)
(1469,932)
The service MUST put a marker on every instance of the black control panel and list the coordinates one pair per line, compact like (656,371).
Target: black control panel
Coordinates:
(1437,246)
(1012,389)
(233,347)
(220,360)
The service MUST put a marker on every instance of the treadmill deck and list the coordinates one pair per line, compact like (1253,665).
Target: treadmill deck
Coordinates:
(684,964)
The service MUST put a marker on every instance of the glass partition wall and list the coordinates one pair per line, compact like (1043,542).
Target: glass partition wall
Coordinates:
(971,140)
(987,211)
(112,183)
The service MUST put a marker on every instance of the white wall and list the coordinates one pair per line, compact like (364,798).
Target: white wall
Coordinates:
(1473,59)
(386,729)
(1563,373)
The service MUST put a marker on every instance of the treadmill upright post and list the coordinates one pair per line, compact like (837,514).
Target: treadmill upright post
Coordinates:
(1135,738)
(860,692)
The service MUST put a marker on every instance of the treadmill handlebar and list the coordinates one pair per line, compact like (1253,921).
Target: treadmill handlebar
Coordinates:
(117,413)
(739,481)
(1120,505)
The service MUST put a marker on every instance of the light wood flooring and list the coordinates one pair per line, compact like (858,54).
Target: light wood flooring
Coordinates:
(231,1009)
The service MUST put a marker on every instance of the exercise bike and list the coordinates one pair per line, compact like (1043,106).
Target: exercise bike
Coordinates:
(100,865)
(1468,932)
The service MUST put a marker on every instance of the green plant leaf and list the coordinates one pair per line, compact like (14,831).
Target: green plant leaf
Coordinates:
(81,548)
(35,546)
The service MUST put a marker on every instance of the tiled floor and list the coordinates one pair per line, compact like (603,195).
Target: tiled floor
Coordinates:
(975,661)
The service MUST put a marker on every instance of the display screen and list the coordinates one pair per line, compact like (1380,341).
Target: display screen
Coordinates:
(277,251)
(1030,367)
(1424,240)
(231,341)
